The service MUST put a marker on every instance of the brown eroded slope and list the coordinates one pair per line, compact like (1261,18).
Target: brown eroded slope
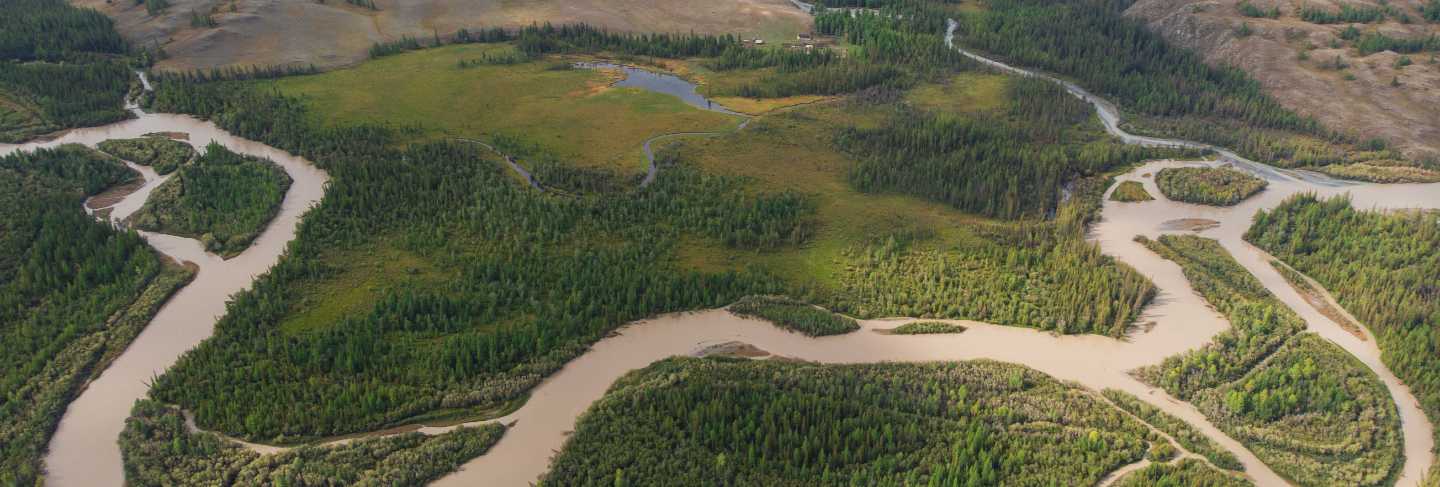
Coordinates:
(335,33)
(1359,98)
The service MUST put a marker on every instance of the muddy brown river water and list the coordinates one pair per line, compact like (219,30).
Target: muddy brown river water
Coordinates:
(84,453)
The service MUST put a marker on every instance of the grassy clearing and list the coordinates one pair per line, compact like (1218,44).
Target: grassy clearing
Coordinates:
(965,93)
(1131,191)
(355,279)
(572,115)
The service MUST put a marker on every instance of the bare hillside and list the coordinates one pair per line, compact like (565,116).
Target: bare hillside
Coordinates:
(1373,95)
(336,33)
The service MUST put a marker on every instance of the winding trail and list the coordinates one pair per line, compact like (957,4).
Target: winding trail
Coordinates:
(83,451)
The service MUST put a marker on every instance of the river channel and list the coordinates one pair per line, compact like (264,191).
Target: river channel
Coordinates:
(84,453)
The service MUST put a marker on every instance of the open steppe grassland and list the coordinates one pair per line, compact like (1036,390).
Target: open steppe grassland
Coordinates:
(74,292)
(1366,67)
(337,33)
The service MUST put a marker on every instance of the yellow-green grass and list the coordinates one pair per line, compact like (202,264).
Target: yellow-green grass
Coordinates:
(1130,191)
(795,151)
(571,114)
(360,279)
(965,93)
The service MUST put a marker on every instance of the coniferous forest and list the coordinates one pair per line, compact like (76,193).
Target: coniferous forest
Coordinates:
(688,421)
(60,67)
(222,199)
(500,292)
(1303,405)
(160,451)
(73,293)
(1382,267)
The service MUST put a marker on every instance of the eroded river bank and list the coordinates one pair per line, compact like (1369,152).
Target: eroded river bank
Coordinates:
(83,451)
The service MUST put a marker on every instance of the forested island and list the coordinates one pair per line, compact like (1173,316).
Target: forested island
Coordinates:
(738,422)
(222,199)
(160,153)
(1214,186)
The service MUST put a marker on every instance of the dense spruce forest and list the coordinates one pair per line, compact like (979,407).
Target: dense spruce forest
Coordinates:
(161,154)
(1303,405)
(1038,275)
(1382,267)
(1214,186)
(159,451)
(223,199)
(74,292)
(687,421)
(794,315)
(1009,165)
(60,67)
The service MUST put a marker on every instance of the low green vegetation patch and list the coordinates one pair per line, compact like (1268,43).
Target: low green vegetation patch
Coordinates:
(1130,191)
(223,199)
(161,153)
(689,421)
(159,450)
(1307,408)
(74,292)
(794,315)
(927,328)
(1187,472)
(1189,437)
(1382,267)
(1214,186)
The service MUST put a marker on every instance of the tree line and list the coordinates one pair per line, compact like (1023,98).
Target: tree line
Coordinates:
(73,293)
(736,422)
